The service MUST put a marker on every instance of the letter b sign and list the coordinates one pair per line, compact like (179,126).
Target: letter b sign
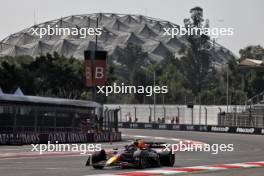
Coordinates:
(97,76)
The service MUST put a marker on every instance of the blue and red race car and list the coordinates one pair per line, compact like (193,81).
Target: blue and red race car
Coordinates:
(139,155)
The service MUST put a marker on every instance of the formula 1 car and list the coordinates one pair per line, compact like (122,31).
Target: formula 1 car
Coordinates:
(138,155)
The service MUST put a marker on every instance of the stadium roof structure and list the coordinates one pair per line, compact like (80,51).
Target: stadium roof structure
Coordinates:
(118,30)
(36,100)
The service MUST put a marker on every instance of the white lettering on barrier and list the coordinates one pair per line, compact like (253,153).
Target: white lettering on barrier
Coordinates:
(28,138)
(148,125)
(21,138)
(133,125)
(203,128)
(245,130)
(76,137)
(176,127)
(190,127)
(101,137)
(61,137)
(162,126)
(220,129)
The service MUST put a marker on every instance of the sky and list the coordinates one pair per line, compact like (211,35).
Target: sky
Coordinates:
(245,16)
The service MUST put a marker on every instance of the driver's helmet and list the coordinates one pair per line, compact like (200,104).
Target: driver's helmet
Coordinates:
(139,144)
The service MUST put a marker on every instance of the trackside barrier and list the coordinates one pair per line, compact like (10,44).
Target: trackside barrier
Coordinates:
(61,137)
(199,128)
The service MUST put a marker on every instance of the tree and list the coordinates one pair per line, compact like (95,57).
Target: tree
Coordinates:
(196,64)
(252,52)
(131,58)
(58,76)
(13,74)
(50,75)
(170,76)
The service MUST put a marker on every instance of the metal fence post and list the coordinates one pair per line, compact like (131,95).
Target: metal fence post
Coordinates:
(120,111)
(178,113)
(109,123)
(164,112)
(220,117)
(205,109)
(200,111)
(236,119)
(192,115)
(220,110)
(135,113)
(105,120)
(111,119)
(150,115)
(263,120)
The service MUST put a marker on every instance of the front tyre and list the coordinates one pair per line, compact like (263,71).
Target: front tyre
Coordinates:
(98,157)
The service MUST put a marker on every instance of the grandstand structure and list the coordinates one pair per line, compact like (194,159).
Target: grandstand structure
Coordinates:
(117,31)
(254,64)
(253,115)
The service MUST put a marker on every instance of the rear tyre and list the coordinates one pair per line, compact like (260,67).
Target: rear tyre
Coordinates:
(167,158)
(97,157)
(141,158)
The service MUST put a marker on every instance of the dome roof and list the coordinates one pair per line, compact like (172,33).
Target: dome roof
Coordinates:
(117,31)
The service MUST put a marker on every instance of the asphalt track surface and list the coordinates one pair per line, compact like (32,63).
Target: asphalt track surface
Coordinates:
(247,148)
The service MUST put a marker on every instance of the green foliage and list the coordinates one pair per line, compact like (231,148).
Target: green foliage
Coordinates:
(131,58)
(173,78)
(252,52)
(50,75)
(13,74)
(196,62)
(58,76)
(189,79)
